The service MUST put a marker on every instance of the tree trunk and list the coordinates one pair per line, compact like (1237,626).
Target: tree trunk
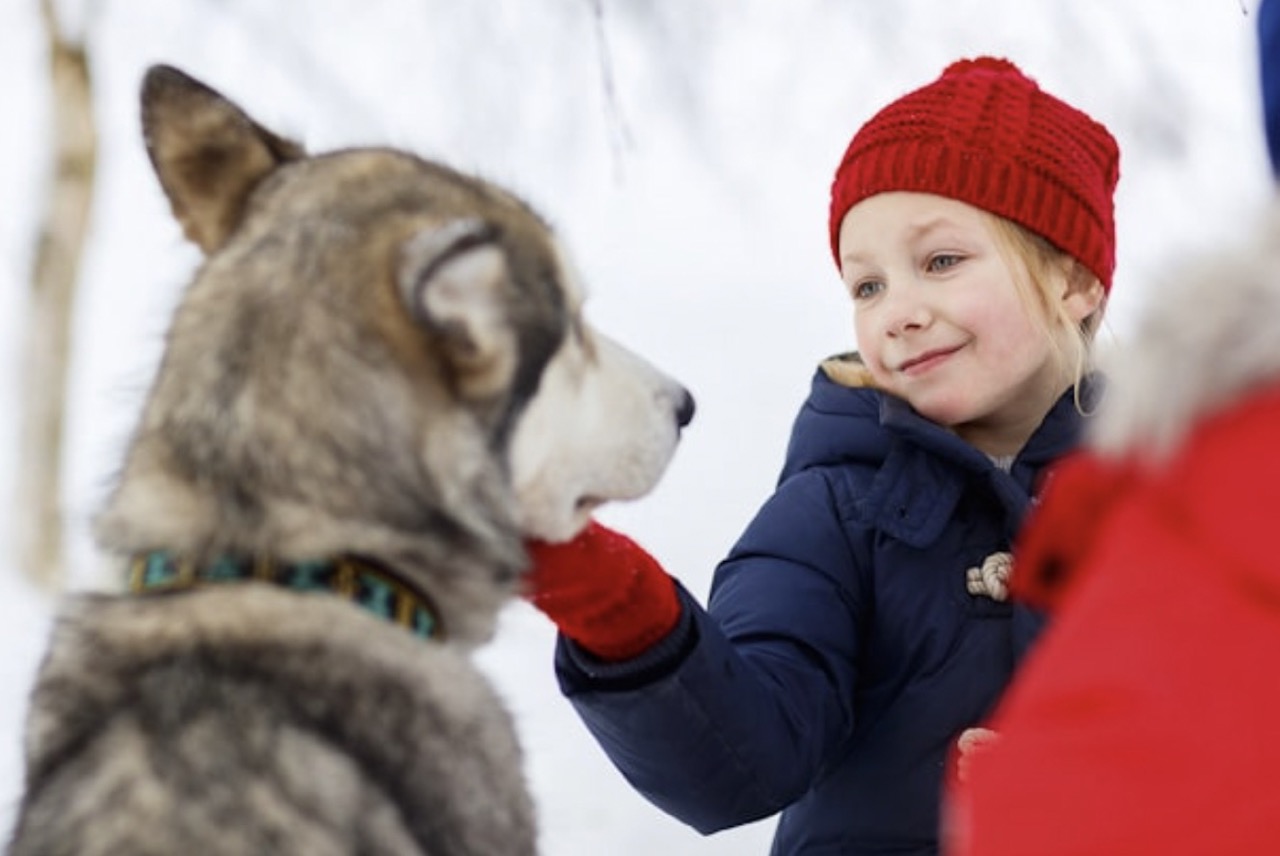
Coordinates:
(48,329)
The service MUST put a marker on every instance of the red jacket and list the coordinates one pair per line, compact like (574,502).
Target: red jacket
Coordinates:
(1147,718)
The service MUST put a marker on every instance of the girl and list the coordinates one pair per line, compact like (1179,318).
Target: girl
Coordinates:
(858,627)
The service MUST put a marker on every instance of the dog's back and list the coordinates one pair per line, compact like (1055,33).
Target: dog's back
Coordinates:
(226,722)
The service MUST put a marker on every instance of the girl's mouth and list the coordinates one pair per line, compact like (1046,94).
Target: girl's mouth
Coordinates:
(926,361)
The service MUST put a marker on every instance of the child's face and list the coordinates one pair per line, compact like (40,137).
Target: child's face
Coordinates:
(940,321)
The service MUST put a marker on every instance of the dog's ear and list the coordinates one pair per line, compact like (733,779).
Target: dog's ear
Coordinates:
(207,153)
(453,279)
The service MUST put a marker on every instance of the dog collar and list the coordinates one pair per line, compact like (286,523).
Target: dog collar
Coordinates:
(364,583)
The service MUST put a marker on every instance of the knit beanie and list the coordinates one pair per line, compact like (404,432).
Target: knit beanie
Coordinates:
(985,134)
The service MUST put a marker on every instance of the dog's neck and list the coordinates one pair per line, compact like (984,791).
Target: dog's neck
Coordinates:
(368,584)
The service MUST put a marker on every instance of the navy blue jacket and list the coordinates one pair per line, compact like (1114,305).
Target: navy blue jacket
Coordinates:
(840,654)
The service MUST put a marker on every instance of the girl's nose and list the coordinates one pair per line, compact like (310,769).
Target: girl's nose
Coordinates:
(908,311)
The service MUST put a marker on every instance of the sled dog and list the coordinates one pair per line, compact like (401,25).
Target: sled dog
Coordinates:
(377,385)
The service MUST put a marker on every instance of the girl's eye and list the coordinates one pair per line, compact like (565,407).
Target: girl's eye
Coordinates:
(942,261)
(866,288)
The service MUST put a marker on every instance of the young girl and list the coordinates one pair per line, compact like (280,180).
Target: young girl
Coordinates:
(859,625)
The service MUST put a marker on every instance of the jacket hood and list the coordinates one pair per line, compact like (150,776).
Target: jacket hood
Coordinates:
(1207,339)
(840,420)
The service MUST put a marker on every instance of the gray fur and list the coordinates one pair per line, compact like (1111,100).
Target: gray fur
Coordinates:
(1207,337)
(223,722)
(346,374)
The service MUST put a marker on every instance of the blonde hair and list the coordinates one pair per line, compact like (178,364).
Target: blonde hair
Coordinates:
(1043,268)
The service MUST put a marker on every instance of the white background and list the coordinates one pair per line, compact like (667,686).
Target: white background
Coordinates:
(684,148)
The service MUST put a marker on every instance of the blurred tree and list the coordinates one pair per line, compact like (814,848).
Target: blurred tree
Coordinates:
(48,325)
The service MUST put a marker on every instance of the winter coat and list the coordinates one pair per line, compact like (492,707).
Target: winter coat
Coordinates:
(1147,720)
(840,654)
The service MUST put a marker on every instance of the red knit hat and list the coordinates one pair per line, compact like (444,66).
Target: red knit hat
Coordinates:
(985,134)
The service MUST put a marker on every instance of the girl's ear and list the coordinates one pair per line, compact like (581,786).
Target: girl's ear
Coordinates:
(1082,292)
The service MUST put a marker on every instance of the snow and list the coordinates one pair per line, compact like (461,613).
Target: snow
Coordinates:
(684,149)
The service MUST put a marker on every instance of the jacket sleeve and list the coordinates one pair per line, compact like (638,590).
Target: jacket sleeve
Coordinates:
(737,713)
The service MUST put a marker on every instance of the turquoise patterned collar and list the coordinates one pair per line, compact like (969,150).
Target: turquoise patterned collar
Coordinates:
(363,582)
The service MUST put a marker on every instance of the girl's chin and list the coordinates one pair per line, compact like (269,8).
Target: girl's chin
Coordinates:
(948,414)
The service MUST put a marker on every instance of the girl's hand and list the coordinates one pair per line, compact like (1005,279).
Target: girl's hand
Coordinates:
(971,742)
(603,591)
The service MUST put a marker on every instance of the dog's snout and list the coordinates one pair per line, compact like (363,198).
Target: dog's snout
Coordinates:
(685,407)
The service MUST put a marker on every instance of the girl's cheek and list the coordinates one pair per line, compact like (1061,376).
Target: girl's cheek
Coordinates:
(863,332)
(875,364)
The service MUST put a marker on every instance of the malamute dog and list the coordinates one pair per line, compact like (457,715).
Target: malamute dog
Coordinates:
(377,386)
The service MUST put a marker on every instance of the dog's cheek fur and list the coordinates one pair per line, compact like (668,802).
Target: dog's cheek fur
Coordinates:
(545,450)
(618,443)
(540,308)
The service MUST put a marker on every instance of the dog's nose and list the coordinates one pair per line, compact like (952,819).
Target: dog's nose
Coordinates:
(685,408)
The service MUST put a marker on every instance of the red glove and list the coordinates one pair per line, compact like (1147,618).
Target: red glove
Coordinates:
(603,591)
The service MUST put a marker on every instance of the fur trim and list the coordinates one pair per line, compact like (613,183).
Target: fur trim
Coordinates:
(1206,340)
(847,370)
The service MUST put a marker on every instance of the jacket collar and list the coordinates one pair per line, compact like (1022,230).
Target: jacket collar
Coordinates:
(921,468)
(927,469)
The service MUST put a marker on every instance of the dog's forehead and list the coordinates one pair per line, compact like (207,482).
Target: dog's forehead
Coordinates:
(348,195)
(384,179)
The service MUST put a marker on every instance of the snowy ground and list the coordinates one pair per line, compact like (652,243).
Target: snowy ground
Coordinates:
(694,197)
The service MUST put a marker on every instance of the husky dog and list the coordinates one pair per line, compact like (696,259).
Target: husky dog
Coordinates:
(378,385)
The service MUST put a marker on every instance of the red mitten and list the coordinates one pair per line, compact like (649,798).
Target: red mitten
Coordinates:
(603,591)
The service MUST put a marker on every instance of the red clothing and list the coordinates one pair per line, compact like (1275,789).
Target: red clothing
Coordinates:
(1147,719)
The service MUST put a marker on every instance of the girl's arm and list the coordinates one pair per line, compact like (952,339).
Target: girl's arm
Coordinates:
(733,713)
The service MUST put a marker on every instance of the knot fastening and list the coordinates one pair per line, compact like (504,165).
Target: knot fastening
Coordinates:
(992,579)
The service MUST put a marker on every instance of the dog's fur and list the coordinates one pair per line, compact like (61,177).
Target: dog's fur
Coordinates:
(380,357)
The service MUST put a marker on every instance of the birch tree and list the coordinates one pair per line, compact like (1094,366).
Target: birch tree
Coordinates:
(47,331)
